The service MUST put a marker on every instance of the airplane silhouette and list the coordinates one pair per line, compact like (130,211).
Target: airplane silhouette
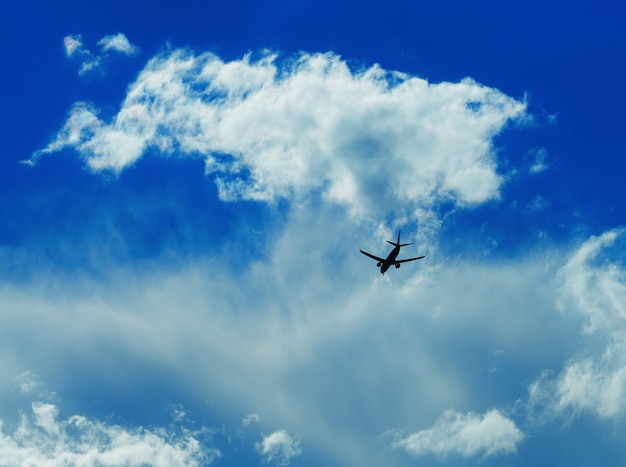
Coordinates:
(386,263)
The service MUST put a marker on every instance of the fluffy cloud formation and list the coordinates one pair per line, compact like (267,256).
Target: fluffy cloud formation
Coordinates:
(279,448)
(466,435)
(74,47)
(596,381)
(42,439)
(274,128)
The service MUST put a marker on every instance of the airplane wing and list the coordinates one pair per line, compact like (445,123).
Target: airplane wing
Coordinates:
(371,256)
(410,259)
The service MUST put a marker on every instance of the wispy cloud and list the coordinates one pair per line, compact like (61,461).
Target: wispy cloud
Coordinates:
(89,62)
(537,204)
(596,382)
(539,160)
(250,418)
(279,448)
(42,439)
(73,44)
(26,382)
(309,359)
(279,128)
(118,43)
(74,47)
(467,435)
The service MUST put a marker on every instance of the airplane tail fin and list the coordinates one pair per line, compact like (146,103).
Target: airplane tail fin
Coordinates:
(398,242)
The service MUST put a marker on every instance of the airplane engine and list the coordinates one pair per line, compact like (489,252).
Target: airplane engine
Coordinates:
(397,265)
(378,264)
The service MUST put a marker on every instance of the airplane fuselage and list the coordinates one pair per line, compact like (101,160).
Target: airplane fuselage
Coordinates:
(391,259)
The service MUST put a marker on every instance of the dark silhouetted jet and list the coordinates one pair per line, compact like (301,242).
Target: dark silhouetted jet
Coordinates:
(385,264)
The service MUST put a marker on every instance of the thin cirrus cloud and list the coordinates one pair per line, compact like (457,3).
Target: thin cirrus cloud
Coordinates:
(278,128)
(594,382)
(466,435)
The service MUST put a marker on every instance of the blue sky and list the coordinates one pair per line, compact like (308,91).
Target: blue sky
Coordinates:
(185,186)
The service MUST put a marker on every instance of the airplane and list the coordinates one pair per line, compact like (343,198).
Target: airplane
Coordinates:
(386,263)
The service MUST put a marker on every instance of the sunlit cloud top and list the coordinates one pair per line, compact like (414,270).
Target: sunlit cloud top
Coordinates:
(277,128)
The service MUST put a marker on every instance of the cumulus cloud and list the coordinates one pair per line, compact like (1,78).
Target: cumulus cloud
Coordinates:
(280,128)
(279,448)
(118,43)
(595,382)
(466,435)
(42,439)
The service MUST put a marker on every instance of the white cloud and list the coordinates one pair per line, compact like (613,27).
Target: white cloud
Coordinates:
(43,439)
(250,418)
(465,435)
(45,417)
(27,382)
(597,291)
(119,43)
(593,385)
(73,44)
(74,47)
(83,120)
(310,346)
(89,63)
(178,412)
(313,340)
(281,128)
(538,204)
(596,381)
(539,163)
(279,448)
